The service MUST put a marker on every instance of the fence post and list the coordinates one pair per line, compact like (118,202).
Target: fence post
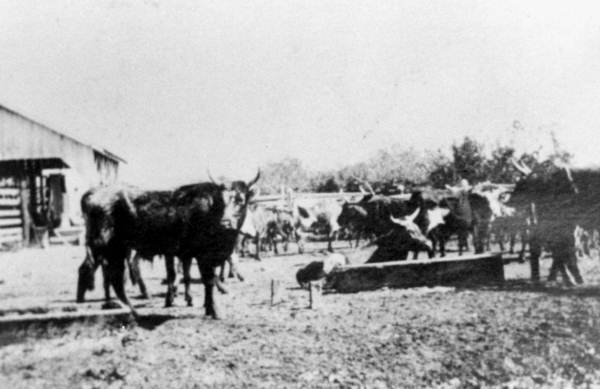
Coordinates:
(275,292)
(314,295)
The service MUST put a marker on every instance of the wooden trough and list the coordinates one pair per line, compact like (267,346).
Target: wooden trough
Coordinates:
(465,270)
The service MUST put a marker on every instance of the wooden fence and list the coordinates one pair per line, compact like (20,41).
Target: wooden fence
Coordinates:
(348,196)
(11,220)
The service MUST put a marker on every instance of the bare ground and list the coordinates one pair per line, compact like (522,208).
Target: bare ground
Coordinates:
(516,335)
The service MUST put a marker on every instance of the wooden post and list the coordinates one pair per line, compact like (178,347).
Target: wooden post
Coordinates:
(314,295)
(25,216)
(275,292)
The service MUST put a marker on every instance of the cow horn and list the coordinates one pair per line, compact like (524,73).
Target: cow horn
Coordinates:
(570,176)
(369,187)
(414,215)
(521,167)
(252,182)
(396,220)
(210,177)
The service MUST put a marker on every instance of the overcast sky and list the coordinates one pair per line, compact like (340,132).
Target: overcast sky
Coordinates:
(174,87)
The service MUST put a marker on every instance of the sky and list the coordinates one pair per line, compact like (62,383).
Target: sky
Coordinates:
(176,87)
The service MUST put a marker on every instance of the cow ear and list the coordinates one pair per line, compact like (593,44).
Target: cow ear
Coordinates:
(303,212)
(251,193)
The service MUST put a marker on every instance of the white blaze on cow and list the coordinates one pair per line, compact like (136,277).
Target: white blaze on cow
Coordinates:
(436,217)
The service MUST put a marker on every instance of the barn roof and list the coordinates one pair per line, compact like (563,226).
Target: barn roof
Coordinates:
(22,153)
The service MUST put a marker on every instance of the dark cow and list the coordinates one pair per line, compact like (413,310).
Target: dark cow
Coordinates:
(470,213)
(430,219)
(390,221)
(404,236)
(199,221)
(557,201)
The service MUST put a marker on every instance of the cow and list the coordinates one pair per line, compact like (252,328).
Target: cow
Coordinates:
(391,220)
(315,216)
(430,219)
(403,236)
(353,220)
(199,221)
(557,200)
(469,213)
(266,225)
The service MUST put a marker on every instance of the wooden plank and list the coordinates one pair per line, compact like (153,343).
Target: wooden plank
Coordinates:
(477,269)
(10,192)
(10,222)
(10,202)
(10,213)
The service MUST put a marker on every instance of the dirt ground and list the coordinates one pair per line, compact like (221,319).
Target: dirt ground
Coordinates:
(515,335)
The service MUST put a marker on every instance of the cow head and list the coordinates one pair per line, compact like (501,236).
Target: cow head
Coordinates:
(352,215)
(236,196)
(416,236)
(547,184)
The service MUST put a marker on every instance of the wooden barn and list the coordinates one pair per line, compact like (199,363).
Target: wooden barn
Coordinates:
(43,174)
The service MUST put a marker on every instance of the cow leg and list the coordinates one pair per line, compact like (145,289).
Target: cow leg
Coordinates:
(273,240)
(461,243)
(116,271)
(257,242)
(186,263)
(209,280)
(299,242)
(106,284)
(512,240)
(233,267)
(535,251)
(85,280)
(330,237)
(171,275)
(285,241)
(222,271)
(136,275)
(558,265)
(442,245)
(564,256)
(571,264)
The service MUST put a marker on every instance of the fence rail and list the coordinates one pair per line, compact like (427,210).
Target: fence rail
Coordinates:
(11,220)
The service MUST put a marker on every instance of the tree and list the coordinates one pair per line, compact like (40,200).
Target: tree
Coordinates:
(469,160)
(499,167)
(442,171)
(288,172)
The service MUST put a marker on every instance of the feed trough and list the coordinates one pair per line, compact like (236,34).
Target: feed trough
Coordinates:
(481,269)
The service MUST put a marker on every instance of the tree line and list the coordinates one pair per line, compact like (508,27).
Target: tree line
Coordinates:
(389,170)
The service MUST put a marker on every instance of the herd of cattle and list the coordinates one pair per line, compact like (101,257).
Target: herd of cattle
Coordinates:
(212,222)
